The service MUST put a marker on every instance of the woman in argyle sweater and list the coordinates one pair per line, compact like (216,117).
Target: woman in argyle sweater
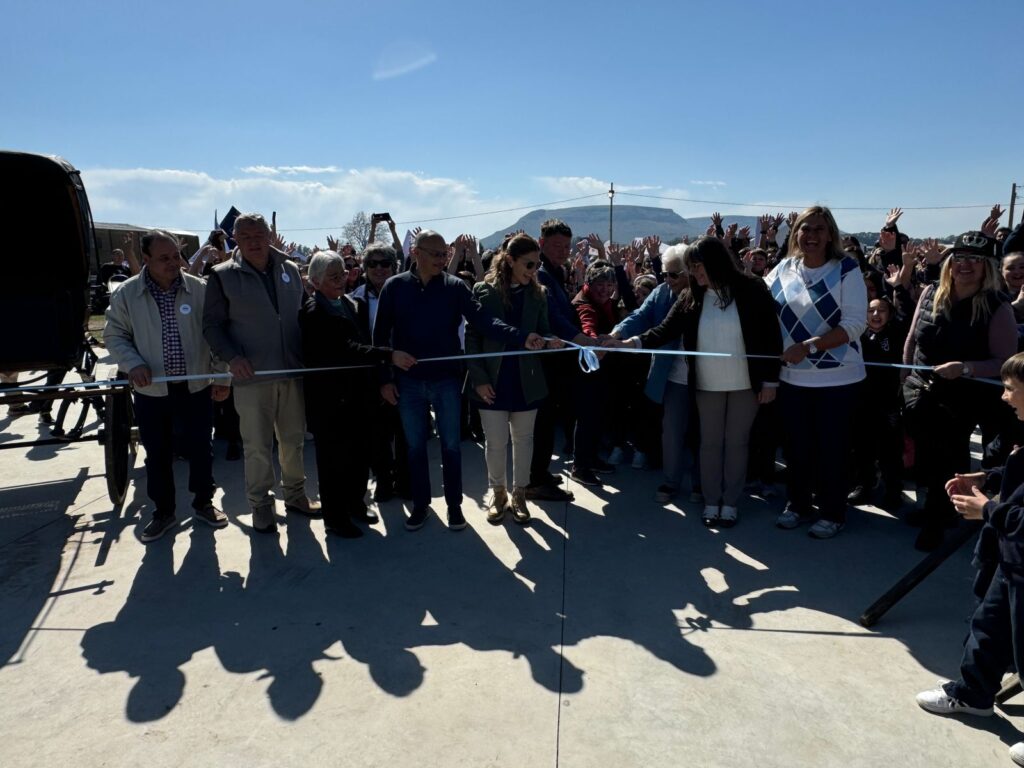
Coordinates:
(822,306)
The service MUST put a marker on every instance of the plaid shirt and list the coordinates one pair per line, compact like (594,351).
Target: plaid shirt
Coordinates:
(174,354)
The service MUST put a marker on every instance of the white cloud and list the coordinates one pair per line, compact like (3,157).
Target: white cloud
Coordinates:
(574,186)
(289,170)
(402,58)
(308,208)
(708,183)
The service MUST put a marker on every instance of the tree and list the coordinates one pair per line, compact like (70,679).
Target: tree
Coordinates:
(357,231)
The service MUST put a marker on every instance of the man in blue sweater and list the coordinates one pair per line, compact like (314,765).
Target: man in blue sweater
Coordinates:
(421,310)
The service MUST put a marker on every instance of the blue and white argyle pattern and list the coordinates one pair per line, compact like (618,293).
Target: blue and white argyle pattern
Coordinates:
(809,310)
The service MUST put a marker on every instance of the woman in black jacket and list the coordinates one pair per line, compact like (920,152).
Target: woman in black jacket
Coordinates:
(725,311)
(336,332)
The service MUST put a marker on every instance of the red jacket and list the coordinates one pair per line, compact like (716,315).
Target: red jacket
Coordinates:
(595,318)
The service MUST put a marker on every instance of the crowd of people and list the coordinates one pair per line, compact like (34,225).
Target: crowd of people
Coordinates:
(873,369)
(757,340)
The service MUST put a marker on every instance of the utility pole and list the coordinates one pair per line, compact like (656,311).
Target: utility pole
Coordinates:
(611,200)
(1013,200)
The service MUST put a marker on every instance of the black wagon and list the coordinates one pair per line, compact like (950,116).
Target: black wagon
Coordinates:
(48,271)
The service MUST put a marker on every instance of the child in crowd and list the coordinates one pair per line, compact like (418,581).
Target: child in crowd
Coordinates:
(994,644)
(878,434)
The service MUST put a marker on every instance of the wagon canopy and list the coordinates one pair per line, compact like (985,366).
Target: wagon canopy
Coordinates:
(46,249)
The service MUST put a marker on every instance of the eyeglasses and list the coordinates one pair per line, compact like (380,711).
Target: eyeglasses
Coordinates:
(674,275)
(967,258)
(374,263)
(434,254)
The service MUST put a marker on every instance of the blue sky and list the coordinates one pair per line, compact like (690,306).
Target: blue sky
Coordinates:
(317,110)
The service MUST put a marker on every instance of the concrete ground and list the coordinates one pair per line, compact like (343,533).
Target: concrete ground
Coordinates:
(611,632)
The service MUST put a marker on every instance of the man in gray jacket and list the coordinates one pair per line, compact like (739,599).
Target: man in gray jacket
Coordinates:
(252,321)
(154,330)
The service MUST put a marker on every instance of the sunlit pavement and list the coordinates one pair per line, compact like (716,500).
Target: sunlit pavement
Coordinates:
(610,632)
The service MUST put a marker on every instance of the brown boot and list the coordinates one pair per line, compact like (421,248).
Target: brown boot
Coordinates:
(520,512)
(498,505)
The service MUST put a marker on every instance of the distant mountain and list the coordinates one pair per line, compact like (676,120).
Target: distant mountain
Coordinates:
(629,221)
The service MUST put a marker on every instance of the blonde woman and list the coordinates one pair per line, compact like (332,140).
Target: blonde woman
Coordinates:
(509,389)
(963,329)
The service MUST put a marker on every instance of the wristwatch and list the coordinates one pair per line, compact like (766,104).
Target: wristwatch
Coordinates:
(966,370)
(811,349)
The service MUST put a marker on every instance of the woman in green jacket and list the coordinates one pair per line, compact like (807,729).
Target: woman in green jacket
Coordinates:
(509,389)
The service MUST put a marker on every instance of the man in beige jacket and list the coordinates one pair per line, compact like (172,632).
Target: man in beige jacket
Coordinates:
(154,330)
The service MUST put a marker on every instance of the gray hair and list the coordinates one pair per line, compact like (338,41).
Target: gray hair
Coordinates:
(320,262)
(673,253)
(250,218)
(381,251)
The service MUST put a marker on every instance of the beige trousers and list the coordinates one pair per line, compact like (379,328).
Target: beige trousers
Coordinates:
(497,425)
(266,409)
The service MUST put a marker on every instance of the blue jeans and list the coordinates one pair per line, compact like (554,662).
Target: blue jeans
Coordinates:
(415,398)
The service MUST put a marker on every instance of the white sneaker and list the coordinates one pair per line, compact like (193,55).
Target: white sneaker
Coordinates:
(939,702)
(639,460)
(825,529)
(727,518)
(617,456)
(710,516)
(1017,753)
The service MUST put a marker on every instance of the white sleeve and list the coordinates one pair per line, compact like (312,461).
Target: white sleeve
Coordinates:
(853,301)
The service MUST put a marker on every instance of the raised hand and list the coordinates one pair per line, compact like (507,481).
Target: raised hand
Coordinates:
(730,233)
(764,222)
(931,251)
(614,254)
(686,239)
(716,219)
(791,218)
(745,233)
(893,217)
(332,244)
(653,246)
(710,231)
(597,244)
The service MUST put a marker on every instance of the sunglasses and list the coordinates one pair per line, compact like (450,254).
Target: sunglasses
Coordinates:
(374,263)
(675,275)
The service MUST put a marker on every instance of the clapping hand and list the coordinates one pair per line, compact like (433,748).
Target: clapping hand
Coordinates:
(970,505)
(961,485)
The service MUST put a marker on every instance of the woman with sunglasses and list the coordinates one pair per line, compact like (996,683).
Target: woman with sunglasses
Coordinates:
(509,389)
(963,330)
(728,311)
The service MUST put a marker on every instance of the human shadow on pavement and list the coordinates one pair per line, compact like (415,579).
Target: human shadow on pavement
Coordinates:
(34,528)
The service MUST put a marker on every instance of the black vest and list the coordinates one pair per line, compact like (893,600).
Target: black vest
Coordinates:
(941,339)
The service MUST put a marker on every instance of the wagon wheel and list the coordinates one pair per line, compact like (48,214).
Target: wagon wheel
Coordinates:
(118,443)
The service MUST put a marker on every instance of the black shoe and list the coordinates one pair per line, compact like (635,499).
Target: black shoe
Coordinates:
(403,491)
(858,495)
(212,516)
(383,493)
(892,501)
(549,479)
(929,539)
(603,467)
(548,493)
(234,452)
(584,476)
(341,526)
(45,417)
(157,527)
(364,515)
(417,519)
(456,520)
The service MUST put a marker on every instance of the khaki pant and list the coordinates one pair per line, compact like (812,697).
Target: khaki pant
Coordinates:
(497,425)
(265,409)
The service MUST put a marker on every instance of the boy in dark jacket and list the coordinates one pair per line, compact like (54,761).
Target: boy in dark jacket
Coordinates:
(995,642)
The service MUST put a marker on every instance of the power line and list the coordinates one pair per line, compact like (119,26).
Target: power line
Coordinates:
(764,206)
